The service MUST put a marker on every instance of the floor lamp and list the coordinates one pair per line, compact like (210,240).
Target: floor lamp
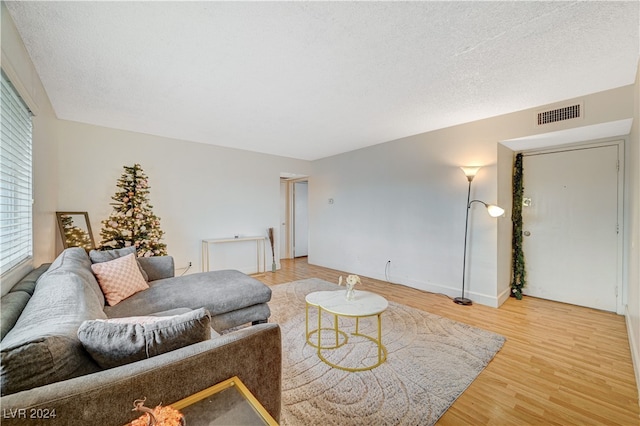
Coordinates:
(493,210)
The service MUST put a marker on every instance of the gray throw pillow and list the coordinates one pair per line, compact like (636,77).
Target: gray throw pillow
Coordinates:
(99,256)
(120,341)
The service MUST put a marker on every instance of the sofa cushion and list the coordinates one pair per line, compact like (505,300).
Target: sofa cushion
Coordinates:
(157,267)
(42,361)
(119,278)
(43,346)
(76,260)
(120,341)
(10,309)
(28,283)
(99,256)
(17,298)
(218,292)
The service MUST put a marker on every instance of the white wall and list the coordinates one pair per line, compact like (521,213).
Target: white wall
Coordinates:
(404,201)
(199,191)
(505,227)
(20,70)
(632,223)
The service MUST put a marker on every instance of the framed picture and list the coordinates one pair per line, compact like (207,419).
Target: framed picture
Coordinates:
(75,230)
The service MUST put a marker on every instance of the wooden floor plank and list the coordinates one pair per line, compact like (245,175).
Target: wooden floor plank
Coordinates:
(561,364)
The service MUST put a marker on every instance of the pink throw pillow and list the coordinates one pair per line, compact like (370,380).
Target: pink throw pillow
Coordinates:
(119,278)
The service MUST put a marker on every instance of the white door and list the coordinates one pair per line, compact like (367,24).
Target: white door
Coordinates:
(284,206)
(570,228)
(300,217)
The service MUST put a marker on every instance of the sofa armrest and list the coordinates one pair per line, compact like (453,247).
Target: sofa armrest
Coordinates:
(254,354)
(157,267)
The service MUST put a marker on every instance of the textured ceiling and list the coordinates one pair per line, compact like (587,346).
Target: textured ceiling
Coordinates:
(313,79)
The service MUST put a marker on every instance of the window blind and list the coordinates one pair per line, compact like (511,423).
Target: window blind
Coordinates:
(16,244)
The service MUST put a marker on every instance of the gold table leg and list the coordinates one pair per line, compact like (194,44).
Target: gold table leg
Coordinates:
(306,322)
(335,329)
(382,350)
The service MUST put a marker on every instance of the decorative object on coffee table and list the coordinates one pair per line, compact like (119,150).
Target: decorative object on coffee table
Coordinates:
(75,230)
(132,222)
(350,282)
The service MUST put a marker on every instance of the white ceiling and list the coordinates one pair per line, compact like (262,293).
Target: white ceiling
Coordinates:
(313,79)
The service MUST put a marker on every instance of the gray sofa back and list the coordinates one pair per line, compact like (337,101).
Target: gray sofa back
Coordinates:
(38,350)
(16,299)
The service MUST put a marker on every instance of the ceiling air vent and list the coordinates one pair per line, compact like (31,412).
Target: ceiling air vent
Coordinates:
(560,114)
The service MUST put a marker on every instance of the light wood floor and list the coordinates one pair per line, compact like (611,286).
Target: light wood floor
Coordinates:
(561,364)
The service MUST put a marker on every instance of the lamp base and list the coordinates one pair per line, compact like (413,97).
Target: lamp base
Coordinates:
(462,301)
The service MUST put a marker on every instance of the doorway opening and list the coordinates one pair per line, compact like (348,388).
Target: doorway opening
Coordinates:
(294,216)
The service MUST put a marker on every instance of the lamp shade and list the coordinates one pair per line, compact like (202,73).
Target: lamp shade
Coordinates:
(470,172)
(495,211)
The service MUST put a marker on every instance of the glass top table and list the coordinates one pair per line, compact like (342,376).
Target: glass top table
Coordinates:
(364,304)
(227,403)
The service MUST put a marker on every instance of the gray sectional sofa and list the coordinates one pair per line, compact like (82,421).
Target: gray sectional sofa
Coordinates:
(48,367)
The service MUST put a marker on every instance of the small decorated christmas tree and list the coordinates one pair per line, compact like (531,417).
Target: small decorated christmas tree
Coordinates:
(132,222)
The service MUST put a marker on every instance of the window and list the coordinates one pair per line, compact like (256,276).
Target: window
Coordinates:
(16,244)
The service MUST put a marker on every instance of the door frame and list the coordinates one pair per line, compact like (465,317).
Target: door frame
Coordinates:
(293,214)
(621,283)
(284,233)
(289,238)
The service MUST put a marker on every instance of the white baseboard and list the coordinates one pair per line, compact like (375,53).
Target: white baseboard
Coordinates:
(504,295)
(452,292)
(480,298)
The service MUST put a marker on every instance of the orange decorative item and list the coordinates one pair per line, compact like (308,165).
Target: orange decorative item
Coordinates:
(159,416)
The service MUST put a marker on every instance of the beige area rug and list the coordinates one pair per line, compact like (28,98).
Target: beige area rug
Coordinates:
(431,361)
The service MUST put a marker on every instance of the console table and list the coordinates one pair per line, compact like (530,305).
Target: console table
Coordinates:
(260,251)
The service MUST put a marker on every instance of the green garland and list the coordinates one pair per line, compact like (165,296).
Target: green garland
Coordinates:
(519,272)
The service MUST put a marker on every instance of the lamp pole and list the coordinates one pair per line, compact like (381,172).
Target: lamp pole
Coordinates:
(493,210)
(463,300)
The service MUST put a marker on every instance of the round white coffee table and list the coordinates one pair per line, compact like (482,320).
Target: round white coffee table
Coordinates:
(365,304)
